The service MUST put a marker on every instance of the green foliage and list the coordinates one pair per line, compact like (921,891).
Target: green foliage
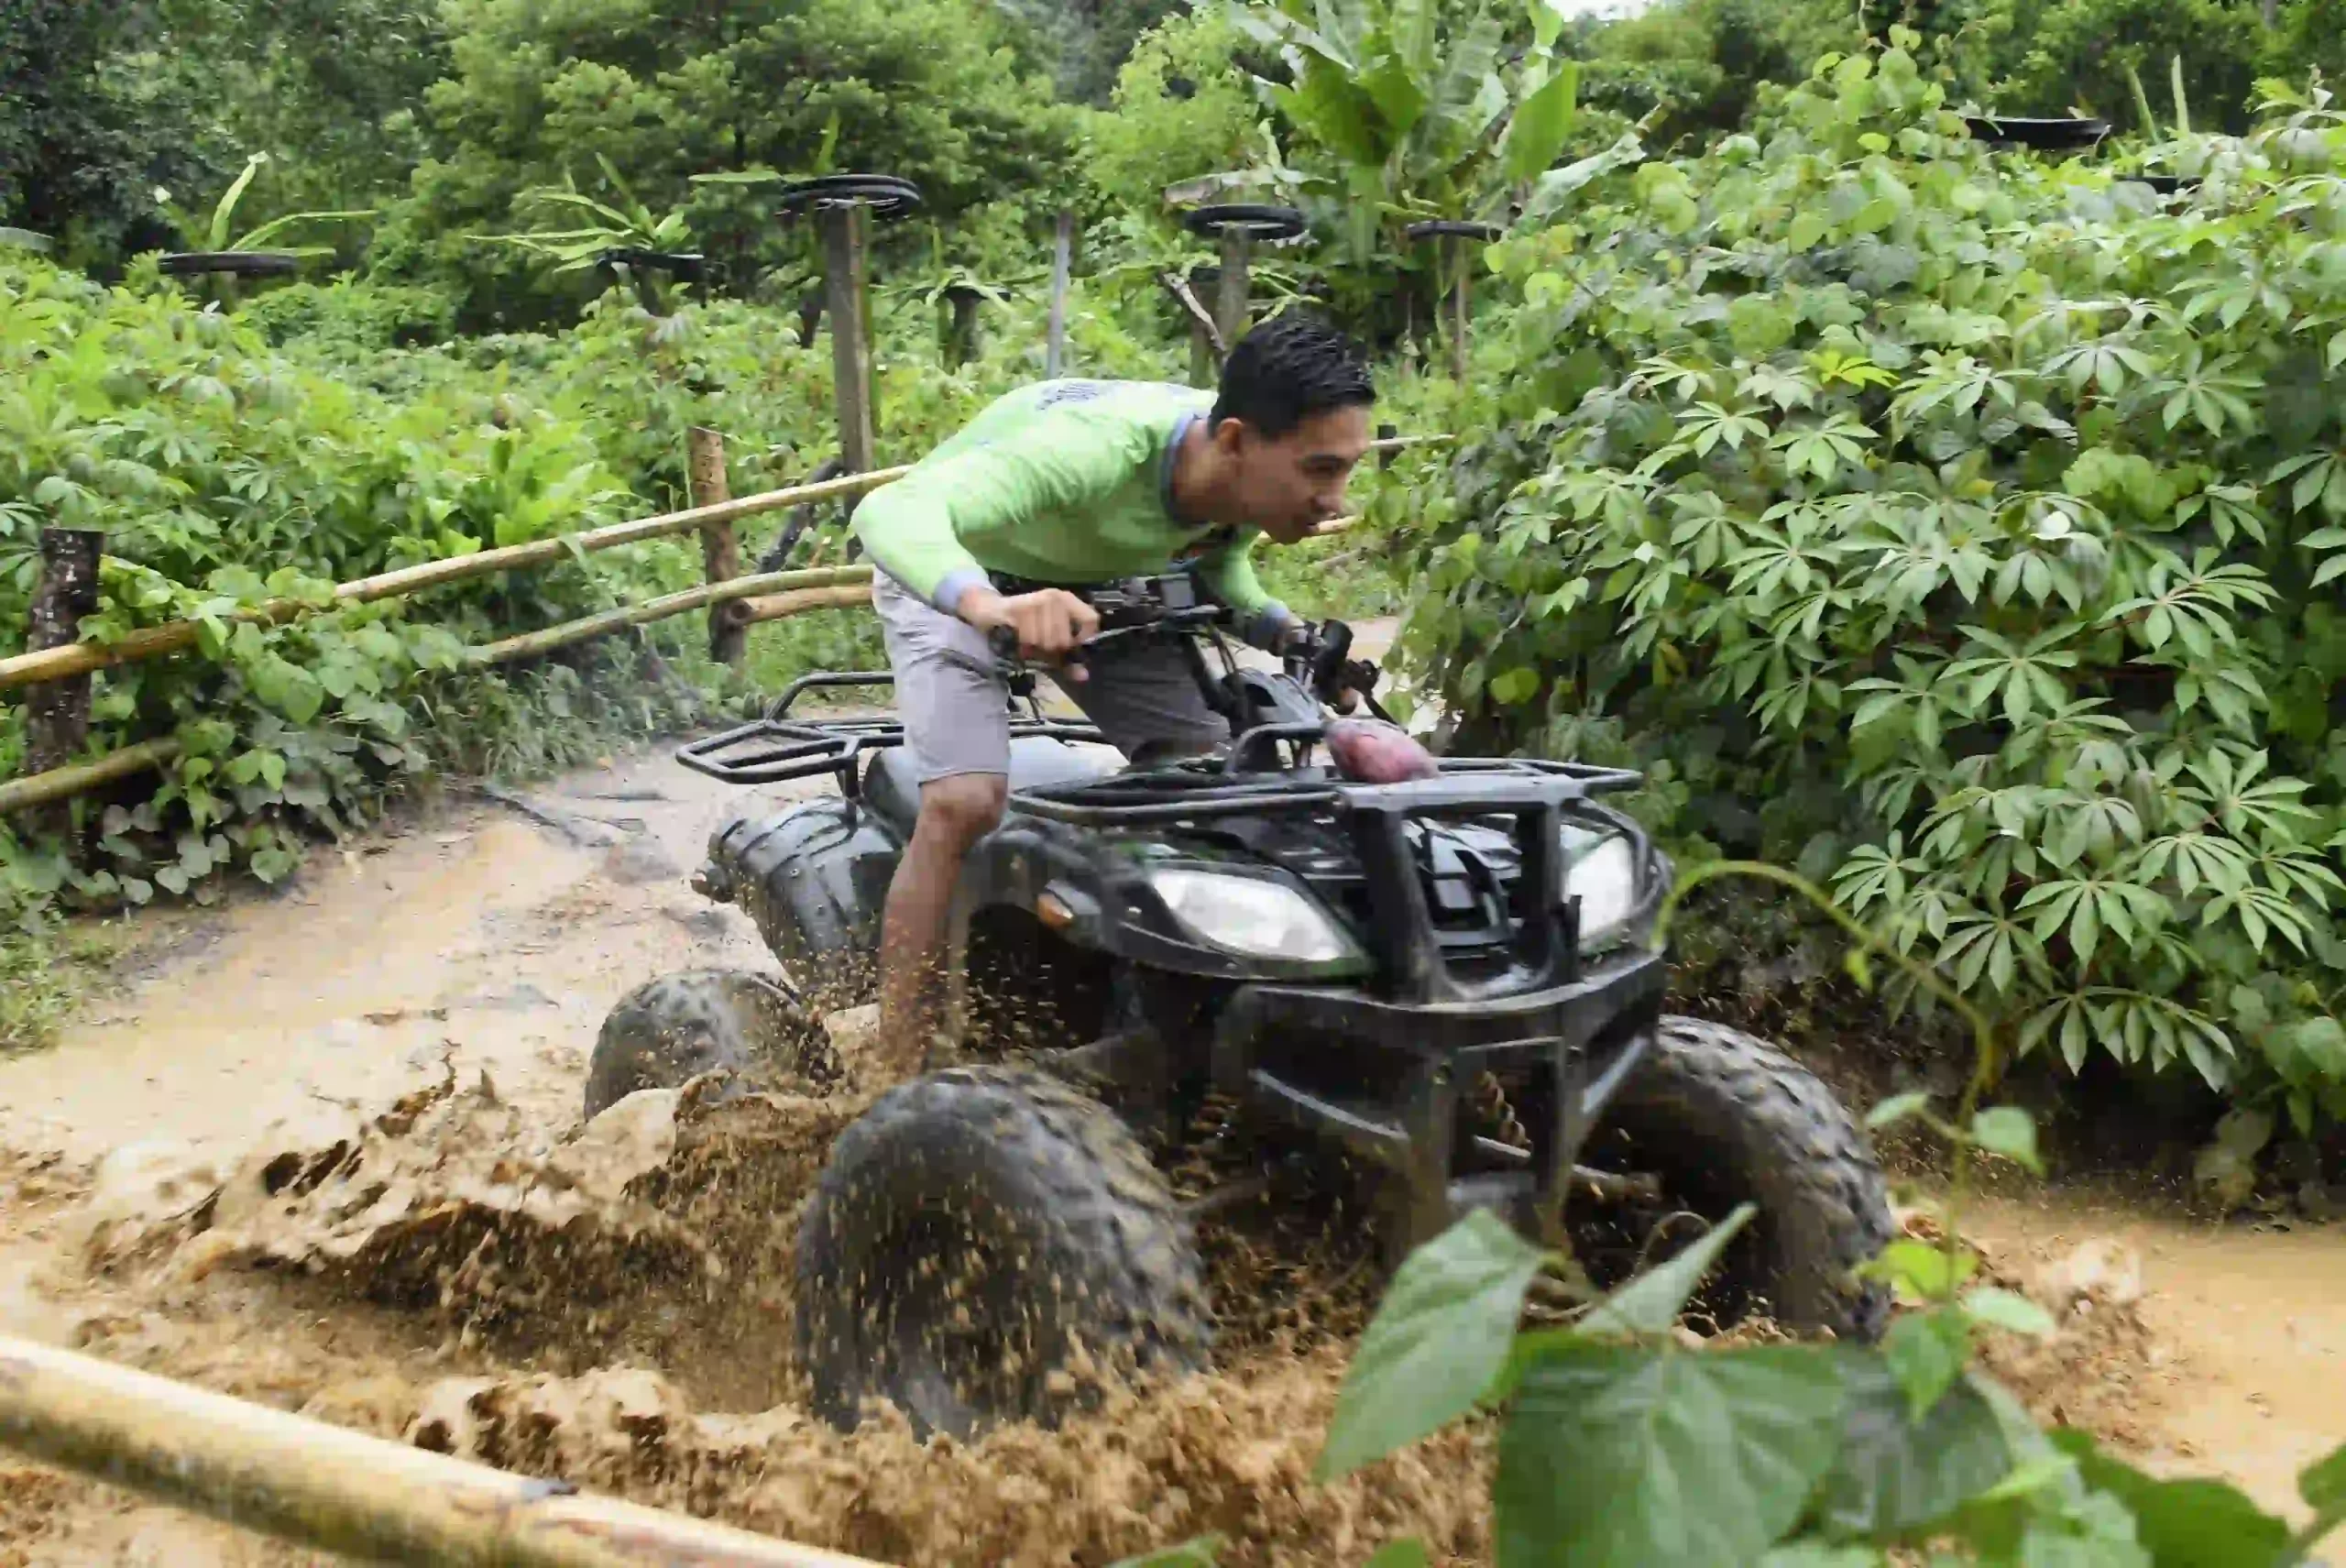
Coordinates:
(2075,58)
(1182,108)
(1954,525)
(90,121)
(941,92)
(1420,115)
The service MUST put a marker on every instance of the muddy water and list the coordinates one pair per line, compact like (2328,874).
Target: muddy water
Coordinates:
(627,1330)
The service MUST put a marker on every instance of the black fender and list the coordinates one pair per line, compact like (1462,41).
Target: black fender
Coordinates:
(813,876)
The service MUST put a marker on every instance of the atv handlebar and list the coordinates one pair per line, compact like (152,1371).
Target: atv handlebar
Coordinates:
(1315,654)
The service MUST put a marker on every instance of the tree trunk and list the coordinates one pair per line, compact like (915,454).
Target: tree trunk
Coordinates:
(57,715)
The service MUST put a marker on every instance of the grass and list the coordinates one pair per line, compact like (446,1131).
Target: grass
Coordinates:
(45,976)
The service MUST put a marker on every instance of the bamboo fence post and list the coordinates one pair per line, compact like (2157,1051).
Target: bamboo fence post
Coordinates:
(843,283)
(720,547)
(1062,254)
(336,1490)
(64,784)
(57,715)
(148,642)
(1232,297)
(547,639)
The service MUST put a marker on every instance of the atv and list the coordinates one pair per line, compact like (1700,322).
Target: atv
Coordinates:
(1435,994)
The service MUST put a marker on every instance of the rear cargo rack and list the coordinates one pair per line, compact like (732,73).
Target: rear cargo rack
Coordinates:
(778,748)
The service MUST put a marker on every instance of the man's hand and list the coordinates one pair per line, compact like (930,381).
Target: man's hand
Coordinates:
(1048,622)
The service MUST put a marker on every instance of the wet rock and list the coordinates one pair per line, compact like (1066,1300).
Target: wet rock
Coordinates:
(2321,1201)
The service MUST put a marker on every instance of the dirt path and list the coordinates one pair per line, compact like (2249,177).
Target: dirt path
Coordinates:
(2246,1361)
(486,938)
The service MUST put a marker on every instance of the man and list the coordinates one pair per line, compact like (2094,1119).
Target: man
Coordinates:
(1074,483)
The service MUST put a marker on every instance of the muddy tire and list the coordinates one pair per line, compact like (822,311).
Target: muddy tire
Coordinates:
(669,1031)
(1724,1117)
(982,1239)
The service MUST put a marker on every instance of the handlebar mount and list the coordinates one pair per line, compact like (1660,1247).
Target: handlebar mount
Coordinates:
(1316,655)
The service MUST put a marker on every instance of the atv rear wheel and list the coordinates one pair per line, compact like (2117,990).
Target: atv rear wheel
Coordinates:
(1722,1117)
(985,1243)
(669,1031)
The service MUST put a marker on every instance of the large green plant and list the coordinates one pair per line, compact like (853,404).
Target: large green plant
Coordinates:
(1958,527)
(1421,112)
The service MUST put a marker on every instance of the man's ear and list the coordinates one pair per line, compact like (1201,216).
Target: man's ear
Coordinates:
(1230,436)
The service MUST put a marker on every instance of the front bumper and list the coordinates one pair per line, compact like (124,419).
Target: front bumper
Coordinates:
(1589,1034)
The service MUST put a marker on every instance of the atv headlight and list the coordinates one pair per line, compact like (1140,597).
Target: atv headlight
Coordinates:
(1246,914)
(1602,873)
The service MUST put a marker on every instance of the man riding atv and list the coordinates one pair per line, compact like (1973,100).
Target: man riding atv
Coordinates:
(1065,483)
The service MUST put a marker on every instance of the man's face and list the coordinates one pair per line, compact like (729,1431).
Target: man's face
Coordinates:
(1290,486)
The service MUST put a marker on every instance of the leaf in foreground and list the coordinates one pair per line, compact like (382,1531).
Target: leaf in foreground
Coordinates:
(2322,1484)
(2192,1523)
(1621,1456)
(1926,1351)
(1437,1343)
(1894,1474)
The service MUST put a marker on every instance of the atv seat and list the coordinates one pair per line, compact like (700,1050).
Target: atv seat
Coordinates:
(1035,760)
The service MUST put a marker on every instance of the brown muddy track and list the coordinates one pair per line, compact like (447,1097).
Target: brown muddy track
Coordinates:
(472,941)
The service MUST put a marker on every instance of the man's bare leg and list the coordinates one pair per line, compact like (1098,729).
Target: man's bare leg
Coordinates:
(955,813)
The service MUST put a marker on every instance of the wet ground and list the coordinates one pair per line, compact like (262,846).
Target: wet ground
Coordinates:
(215,1176)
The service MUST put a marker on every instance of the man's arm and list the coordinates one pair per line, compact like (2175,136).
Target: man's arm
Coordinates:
(1229,575)
(912,529)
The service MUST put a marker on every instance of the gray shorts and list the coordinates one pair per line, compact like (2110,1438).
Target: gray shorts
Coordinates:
(957,709)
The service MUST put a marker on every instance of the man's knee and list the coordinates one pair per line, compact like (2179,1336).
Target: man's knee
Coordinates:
(962,807)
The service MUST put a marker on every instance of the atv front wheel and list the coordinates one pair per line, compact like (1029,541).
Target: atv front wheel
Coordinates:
(670,1030)
(984,1244)
(1722,1117)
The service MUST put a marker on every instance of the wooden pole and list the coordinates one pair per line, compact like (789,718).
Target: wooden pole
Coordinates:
(63,783)
(720,548)
(850,361)
(148,642)
(1232,296)
(1459,314)
(547,639)
(57,717)
(1062,254)
(798,601)
(336,1490)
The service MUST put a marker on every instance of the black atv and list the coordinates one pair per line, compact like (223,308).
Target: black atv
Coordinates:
(1435,994)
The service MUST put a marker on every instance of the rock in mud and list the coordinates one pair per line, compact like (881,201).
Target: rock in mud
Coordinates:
(2098,1271)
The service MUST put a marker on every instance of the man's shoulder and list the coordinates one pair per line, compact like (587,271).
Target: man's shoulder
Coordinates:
(1137,399)
(1099,420)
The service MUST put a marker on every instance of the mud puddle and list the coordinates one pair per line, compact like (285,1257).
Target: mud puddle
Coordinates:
(324,1153)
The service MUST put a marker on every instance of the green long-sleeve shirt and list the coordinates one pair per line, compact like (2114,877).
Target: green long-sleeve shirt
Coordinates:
(1063,481)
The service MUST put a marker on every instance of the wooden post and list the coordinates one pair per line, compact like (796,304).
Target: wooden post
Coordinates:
(336,1490)
(720,546)
(1062,253)
(57,715)
(1386,432)
(1232,297)
(1459,314)
(850,361)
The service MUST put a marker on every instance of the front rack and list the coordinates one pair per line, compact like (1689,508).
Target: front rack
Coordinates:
(778,748)
(1466,787)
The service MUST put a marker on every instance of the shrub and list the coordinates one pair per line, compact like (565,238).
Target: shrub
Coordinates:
(1955,525)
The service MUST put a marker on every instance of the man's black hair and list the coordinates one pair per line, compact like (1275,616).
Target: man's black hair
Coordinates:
(1286,370)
